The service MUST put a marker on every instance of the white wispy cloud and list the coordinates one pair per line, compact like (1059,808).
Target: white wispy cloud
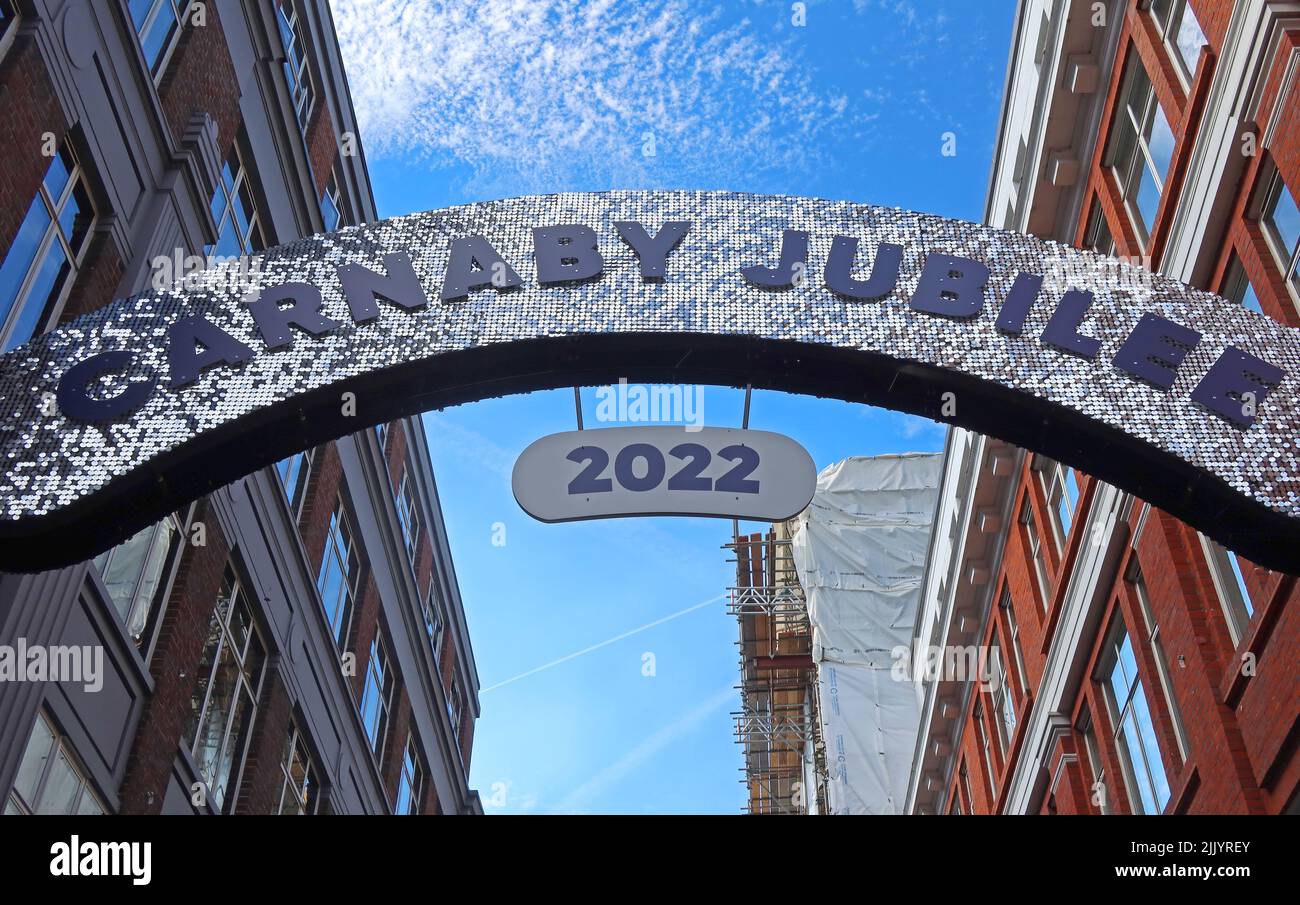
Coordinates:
(446,435)
(528,93)
(610,776)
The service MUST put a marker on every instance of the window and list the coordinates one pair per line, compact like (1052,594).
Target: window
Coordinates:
(1158,654)
(133,573)
(965,787)
(381,431)
(1237,288)
(1100,794)
(1281,221)
(408,513)
(455,702)
(1013,634)
(340,576)
(986,752)
(300,792)
(410,786)
(1035,547)
(332,205)
(432,614)
(8,16)
(1135,733)
(1141,149)
(295,477)
(239,229)
(1097,236)
(1061,490)
(50,780)
(224,705)
(42,261)
(1230,583)
(1000,696)
(158,24)
(296,70)
(1182,33)
(377,696)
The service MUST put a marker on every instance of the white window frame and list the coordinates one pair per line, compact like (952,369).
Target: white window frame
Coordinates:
(298,797)
(1127,172)
(1098,766)
(143,600)
(1097,228)
(1287,259)
(9,30)
(1013,634)
(341,549)
(180,13)
(1238,288)
(1157,648)
(1230,584)
(1139,771)
(333,195)
(84,802)
(986,751)
(381,682)
(431,609)
(251,238)
(1174,15)
(964,773)
(1001,701)
(302,88)
(297,470)
(52,235)
(455,703)
(411,781)
(408,514)
(1034,541)
(224,799)
(1062,506)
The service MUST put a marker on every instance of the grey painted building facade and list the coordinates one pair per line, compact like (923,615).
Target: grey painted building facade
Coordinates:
(295,642)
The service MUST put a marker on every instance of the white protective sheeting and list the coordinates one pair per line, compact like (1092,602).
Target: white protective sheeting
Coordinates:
(860,550)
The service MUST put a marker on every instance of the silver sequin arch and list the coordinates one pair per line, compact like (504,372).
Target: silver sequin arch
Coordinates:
(69,490)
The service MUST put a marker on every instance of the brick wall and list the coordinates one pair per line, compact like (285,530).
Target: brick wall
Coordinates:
(1240,731)
(30,110)
(322,147)
(263,779)
(200,77)
(179,648)
(97,281)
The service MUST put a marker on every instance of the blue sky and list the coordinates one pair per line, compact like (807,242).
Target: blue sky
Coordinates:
(461,102)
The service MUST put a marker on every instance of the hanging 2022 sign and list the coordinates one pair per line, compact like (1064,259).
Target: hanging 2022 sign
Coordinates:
(663,470)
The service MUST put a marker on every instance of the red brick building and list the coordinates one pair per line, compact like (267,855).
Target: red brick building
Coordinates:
(294,642)
(1131,665)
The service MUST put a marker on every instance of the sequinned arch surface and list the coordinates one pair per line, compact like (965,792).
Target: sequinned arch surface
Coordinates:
(69,489)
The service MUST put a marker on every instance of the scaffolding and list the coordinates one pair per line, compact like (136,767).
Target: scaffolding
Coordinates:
(776,725)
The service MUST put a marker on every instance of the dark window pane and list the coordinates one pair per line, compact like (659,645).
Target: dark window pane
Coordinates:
(56,177)
(228,241)
(21,253)
(44,289)
(140,11)
(76,218)
(1285,219)
(155,40)
(37,754)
